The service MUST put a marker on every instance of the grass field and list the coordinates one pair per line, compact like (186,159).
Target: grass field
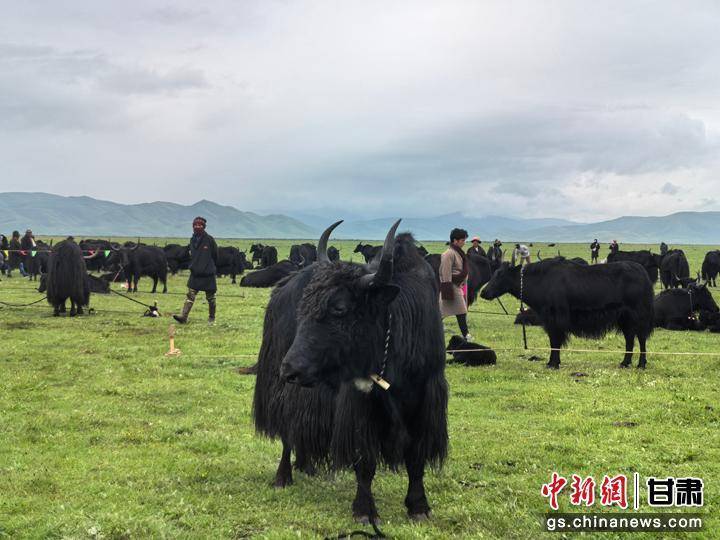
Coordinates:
(102,436)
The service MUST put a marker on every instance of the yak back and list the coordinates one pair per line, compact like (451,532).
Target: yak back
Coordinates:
(66,275)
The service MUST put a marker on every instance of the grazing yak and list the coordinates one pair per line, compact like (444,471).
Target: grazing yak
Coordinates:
(137,260)
(267,277)
(66,279)
(479,273)
(586,301)
(368,251)
(674,269)
(676,309)
(324,341)
(711,267)
(649,261)
(230,262)
(265,256)
(303,254)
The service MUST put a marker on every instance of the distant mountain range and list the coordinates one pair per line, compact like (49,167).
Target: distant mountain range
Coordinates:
(84,216)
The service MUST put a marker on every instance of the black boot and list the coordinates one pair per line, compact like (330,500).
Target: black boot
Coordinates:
(211,311)
(183,317)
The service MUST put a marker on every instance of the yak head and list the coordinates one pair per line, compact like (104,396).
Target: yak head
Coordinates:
(121,255)
(341,319)
(358,248)
(501,282)
(702,297)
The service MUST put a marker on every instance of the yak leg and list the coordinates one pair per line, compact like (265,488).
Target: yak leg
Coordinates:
(556,339)
(364,510)
(283,476)
(629,346)
(415,500)
(164,282)
(56,310)
(72,308)
(233,278)
(155,281)
(643,361)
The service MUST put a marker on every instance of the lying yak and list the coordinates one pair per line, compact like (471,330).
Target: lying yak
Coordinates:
(677,309)
(268,277)
(324,342)
(586,301)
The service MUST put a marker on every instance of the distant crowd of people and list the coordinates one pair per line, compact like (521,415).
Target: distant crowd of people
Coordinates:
(16,253)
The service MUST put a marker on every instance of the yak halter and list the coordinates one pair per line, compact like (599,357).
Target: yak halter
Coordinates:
(378,379)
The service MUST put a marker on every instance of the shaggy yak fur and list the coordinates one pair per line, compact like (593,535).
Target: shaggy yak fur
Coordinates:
(711,266)
(649,261)
(178,257)
(67,279)
(267,277)
(323,336)
(674,269)
(528,317)
(676,309)
(471,354)
(586,301)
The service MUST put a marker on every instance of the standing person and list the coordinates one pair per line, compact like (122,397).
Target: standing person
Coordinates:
(453,281)
(495,254)
(14,256)
(4,246)
(203,268)
(614,246)
(594,251)
(521,252)
(476,249)
(28,245)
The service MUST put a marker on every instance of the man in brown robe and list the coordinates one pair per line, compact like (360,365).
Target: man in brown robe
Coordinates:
(453,281)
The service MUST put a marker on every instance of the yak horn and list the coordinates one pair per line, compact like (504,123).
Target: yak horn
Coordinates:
(384,272)
(97,252)
(322,255)
(538,256)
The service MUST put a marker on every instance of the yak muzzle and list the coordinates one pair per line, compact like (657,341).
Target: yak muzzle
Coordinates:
(295,369)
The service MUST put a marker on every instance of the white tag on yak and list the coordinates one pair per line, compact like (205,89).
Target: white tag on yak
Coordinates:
(382,383)
(364,385)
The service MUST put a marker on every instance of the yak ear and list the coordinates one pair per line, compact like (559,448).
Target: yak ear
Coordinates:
(385,293)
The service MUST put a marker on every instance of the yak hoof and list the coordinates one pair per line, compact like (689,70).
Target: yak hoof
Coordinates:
(641,366)
(281,482)
(552,366)
(420,517)
(624,365)
(365,520)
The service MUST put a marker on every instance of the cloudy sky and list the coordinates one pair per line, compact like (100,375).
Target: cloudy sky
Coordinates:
(583,110)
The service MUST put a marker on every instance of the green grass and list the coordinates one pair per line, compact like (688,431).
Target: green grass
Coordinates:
(103,436)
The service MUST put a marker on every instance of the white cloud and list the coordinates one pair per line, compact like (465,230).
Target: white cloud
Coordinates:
(570,109)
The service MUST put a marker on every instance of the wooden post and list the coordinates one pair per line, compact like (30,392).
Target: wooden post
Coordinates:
(173,351)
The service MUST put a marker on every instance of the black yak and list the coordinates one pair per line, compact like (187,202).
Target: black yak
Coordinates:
(269,256)
(231,262)
(470,354)
(303,254)
(66,279)
(649,261)
(98,285)
(368,251)
(711,266)
(586,301)
(676,309)
(674,269)
(267,277)
(97,249)
(137,260)
(333,253)
(178,257)
(576,260)
(325,331)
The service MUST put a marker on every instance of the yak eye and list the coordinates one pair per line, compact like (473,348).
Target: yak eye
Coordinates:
(338,310)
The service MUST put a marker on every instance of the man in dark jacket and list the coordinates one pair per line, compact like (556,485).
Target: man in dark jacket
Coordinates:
(15,259)
(476,248)
(203,268)
(28,245)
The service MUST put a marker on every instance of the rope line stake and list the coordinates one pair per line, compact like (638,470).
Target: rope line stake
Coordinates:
(173,351)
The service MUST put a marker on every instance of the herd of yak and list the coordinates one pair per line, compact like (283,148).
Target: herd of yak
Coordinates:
(350,372)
